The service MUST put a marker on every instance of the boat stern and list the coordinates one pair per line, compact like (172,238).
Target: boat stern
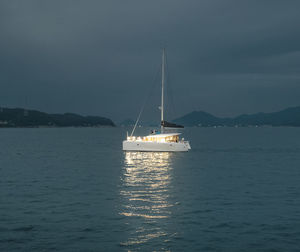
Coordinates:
(187,144)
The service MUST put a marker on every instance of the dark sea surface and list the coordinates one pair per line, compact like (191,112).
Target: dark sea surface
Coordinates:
(74,189)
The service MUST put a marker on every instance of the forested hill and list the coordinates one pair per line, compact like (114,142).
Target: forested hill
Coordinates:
(18,117)
(286,117)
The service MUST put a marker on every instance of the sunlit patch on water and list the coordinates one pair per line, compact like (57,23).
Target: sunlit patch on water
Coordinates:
(145,192)
(140,239)
(146,216)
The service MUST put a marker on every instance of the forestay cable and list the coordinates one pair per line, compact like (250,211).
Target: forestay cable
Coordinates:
(145,102)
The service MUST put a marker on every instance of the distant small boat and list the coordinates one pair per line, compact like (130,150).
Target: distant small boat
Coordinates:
(158,141)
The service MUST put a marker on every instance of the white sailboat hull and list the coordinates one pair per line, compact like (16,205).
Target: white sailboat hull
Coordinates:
(156,146)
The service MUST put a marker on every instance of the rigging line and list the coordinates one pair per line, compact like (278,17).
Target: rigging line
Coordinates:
(145,101)
(137,120)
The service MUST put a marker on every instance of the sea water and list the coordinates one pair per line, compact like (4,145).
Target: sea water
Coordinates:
(74,189)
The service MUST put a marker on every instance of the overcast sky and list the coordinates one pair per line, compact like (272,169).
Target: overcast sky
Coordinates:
(101,57)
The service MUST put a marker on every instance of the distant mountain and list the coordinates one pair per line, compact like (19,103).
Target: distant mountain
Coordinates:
(286,117)
(17,117)
(198,118)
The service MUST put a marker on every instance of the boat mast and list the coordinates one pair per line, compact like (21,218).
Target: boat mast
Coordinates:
(162,89)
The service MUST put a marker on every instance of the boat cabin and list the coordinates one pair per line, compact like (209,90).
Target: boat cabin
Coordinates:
(160,138)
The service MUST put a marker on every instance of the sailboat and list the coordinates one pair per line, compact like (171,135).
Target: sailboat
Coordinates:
(158,141)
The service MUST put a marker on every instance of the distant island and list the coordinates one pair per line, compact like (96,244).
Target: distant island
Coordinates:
(286,117)
(18,117)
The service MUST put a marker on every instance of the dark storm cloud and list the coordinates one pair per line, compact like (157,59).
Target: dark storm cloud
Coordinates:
(100,57)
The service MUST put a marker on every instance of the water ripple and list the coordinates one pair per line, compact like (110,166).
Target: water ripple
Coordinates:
(145,192)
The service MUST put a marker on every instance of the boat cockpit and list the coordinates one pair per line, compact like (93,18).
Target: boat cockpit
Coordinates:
(161,138)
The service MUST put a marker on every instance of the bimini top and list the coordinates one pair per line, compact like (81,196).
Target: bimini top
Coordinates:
(163,135)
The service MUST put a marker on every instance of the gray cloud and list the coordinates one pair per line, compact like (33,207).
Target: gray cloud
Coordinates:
(100,57)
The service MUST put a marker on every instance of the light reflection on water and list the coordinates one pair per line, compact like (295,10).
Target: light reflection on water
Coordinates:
(146,199)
